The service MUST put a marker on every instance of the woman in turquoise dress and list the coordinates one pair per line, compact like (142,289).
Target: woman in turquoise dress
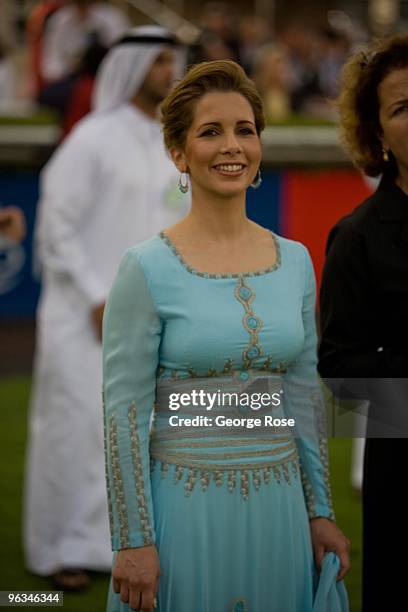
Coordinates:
(216,458)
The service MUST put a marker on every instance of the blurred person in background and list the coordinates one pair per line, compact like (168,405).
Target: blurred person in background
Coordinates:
(109,186)
(364,305)
(302,47)
(75,38)
(220,39)
(210,47)
(35,32)
(312,70)
(220,19)
(273,77)
(72,29)
(254,33)
(335,51)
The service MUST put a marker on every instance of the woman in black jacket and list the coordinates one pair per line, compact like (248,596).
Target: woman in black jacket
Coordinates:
(364,306)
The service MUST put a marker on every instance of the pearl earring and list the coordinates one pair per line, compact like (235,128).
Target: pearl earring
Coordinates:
(184,187)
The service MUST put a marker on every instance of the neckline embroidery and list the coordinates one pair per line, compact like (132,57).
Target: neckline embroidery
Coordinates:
(220,275)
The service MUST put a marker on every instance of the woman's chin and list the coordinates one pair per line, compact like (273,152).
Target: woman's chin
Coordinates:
(230,190)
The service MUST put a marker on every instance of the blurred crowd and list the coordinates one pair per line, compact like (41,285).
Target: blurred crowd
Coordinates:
(295,67)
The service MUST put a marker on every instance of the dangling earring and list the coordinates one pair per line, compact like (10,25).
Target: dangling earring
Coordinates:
(385,155)
(184,187)
(257,180)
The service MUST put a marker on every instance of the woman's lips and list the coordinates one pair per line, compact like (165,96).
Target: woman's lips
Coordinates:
(229,169)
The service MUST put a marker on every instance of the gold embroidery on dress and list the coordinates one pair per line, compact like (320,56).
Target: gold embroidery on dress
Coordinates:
(308,493)
(321,439)
(173,442)
(118,484)
(324,457)
(172,456)
(252,323)
(276,473)
(185,432)
(239,605)
(285,470)
(266,474)
(178,473)
(164,469)
(227,369)
(192,270)
(319,415)
(232,479)
(108,480)
(244,484)
(139,480)
(256,479)
(227,474)
(218,477)
(205,480)
(190,482)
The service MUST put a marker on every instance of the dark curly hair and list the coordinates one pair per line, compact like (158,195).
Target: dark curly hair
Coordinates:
(358,102)
(222,75)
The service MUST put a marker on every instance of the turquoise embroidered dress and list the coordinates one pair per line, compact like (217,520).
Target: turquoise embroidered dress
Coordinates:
(227,506)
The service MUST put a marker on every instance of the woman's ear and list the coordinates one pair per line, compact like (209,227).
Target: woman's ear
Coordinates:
(383,142)
(179,159)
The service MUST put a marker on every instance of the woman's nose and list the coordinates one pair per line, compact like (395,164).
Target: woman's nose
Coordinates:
(231,144)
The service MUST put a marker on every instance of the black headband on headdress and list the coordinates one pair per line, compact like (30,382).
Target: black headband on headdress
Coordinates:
(145,39)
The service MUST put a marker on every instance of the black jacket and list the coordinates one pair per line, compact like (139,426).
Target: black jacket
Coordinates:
(364,292)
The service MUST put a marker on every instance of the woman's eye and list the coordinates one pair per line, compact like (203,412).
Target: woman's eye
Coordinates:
(400,109)
(210,132)
(246,131)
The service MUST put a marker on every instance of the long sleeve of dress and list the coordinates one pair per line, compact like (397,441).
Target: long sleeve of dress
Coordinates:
(69,190)
(304,399)
(131,337)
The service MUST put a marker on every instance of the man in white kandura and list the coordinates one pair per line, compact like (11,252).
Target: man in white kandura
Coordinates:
(109,186)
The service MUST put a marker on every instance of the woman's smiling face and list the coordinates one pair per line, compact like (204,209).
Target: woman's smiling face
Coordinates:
(222,152)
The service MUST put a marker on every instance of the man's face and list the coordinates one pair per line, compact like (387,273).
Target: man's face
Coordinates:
(160,77)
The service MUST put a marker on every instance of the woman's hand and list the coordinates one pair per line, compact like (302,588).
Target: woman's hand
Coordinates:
(327,537)
(136,577)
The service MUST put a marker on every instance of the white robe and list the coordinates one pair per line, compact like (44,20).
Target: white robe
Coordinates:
(110,185)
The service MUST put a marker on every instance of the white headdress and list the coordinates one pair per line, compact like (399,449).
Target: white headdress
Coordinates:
(126,64)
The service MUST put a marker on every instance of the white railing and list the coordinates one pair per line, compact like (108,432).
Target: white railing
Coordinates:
(166,17)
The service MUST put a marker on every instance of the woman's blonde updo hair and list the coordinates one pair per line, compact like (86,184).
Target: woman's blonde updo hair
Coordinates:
(221,76)
(359,105)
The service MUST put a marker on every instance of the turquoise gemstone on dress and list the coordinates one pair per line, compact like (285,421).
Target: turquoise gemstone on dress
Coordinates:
(245,293)
(244,376)
(239,607)
(252,322)
(253,352)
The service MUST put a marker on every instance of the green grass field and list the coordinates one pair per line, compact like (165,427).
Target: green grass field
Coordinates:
(14,394)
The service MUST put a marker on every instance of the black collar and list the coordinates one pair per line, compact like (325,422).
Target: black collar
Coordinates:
(391,201)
